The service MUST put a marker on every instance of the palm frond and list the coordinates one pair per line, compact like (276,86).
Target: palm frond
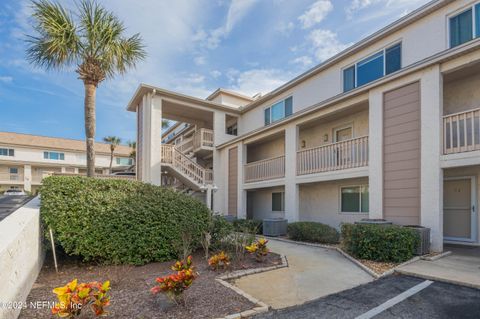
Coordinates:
(56,44)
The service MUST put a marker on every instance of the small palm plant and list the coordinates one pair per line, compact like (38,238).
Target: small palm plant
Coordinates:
(133,152)
(114,142)
(93,41)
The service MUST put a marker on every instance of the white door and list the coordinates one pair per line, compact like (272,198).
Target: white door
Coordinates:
(459,211)
(343,155)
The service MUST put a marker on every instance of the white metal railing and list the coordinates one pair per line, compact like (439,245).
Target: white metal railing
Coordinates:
(336,156)
(180,162)
(266,169)
(461,132)
(7,177)
(202,138)
(102,176)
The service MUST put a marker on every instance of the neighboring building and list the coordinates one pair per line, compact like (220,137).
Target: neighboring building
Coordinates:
(388,128)
(26,159)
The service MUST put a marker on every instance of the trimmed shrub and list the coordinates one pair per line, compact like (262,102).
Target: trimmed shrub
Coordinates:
(220,230)
(379,242)
(248,225)
(313,232)
(120,221)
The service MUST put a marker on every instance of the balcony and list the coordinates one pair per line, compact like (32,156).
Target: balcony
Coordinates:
(203,140)
(336,156)
(11,178)
(461,132)
(266,169)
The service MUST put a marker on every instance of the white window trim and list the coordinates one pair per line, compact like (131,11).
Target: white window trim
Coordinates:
(339,128)
(458,12)
(8,151)
(340,200)
(270,111)
(384,50)
(50,159)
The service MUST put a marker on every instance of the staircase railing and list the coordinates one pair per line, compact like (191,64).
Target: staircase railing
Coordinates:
(185,165)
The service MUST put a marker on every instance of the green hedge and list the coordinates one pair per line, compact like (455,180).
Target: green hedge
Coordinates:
(119,221)
(380,243)
(313,232)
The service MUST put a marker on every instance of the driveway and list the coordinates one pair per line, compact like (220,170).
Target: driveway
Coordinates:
(396,296)
(9,204)
(312,272)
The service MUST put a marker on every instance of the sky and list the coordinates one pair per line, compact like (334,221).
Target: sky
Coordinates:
(193,47)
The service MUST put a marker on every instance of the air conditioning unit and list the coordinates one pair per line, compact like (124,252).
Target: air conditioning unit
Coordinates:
(275,227)
(424,234)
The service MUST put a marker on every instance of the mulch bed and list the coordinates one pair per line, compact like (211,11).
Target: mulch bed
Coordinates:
(377,266)
(130,293)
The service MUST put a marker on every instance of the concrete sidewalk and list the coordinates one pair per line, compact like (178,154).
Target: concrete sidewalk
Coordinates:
(462,267)
(312,273)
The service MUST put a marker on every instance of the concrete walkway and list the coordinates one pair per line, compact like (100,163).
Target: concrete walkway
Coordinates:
(312,273)
(462,267)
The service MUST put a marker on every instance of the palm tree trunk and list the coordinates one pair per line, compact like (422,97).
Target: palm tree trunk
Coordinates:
(111,162)
(90,91)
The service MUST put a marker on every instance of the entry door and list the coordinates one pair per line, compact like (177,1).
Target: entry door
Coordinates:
(343,154)
(459,215)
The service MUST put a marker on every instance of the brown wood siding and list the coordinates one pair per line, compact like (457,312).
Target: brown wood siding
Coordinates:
(401,155)
(232,181)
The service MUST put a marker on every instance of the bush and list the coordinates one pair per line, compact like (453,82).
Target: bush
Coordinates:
(248,225)
(120,221)
(380,243)
(220,230)
(313,232)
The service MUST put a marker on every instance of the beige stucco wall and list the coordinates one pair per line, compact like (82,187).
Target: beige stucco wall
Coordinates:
(320,202)
(462,94)
(314,135)
(269,149)
(465,172)
(21,255)
(259,203)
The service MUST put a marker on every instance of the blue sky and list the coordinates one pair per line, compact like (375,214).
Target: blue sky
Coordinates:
(194,47)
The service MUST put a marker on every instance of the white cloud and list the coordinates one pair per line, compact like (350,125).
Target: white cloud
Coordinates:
(303,60)
(316,13)
(256,81)
(236,12)
(325,44)
(285,28)
(200,60)
(6,79)
(215,74)
(390,6)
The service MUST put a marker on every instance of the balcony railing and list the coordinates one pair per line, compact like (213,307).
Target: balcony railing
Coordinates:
(186,145)
(335,156)
(203,138)
(461,132)
(7,177)
(266,169)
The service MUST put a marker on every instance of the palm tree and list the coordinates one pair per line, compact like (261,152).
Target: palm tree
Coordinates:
(165,123)
(93,41)
(114,142)
(133,146)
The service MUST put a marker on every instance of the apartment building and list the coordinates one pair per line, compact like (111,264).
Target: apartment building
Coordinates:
(387,129)
(26,159)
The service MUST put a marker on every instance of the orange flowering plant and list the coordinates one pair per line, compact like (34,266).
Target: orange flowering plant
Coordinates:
(175,284)
(259,248)
(219,260)
(74,297)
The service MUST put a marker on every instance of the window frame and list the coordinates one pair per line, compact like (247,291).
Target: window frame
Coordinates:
(61,156)
(118,161)
(9,151)
(369,56)
(361,187)
(342,127)
(13,168)
(269,108)
(450,16)
(282,201)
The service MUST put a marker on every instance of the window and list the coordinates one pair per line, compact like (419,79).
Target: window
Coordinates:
(124,161)
(7,152)
(13,170)
(54,156)
(279,110)
(278,202)
(461,28)
(354,199)
(373,67)
(232,129)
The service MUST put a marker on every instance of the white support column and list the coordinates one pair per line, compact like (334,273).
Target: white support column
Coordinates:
(291,187)
(431,150)
(75,170)
(242,193)
(27,178)
(208,194)
(63,169)
(151,139)
(375,154)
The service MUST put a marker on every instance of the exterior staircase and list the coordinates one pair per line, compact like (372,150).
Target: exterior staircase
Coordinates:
(184,168)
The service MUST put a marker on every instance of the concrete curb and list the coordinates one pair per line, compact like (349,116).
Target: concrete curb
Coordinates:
(435,278)
(436,257)
(260,306)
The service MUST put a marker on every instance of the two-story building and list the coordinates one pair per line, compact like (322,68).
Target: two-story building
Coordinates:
(387,129)
(26,159)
